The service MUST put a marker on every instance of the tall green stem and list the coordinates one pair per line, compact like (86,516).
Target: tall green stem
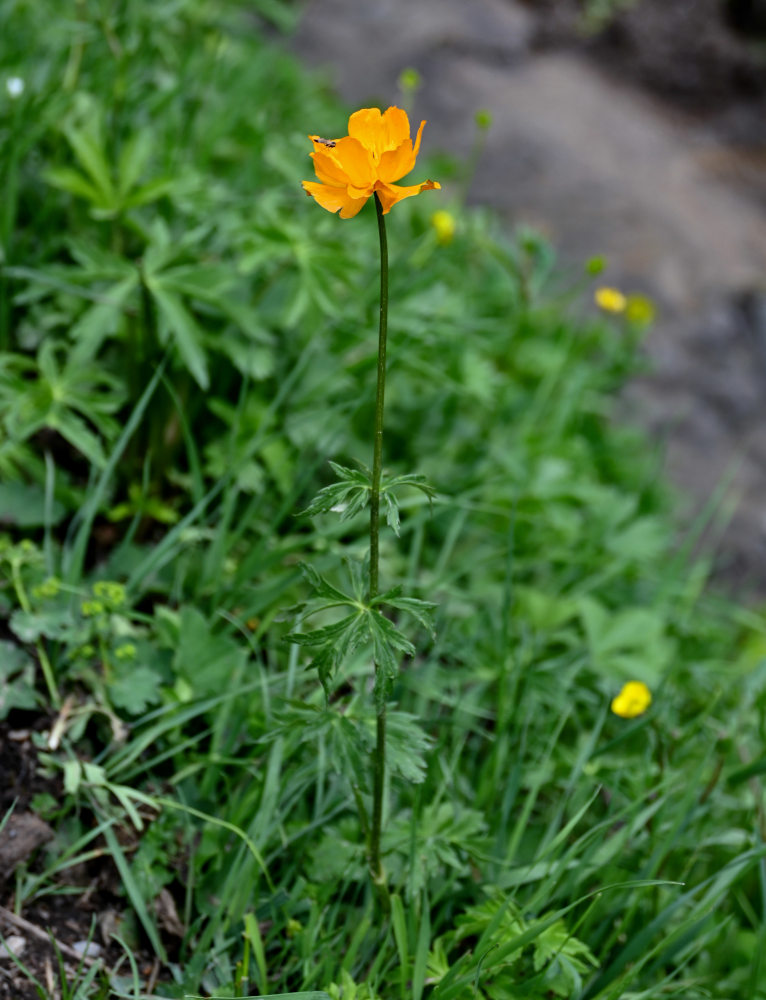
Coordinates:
(379,759)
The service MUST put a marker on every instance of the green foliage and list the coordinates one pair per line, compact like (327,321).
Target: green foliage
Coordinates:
(185,341)
(366,625)
(542,957)
(17,686)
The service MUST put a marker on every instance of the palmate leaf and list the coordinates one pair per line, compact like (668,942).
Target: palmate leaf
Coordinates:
(336,642)
(387,488)
(100,320)
(387,642)
(68,396)
(184,329)
(348,496)
(406,747)
(325,663)
(325,589)
(324,635)
(73,182)
(389,633)
(392,512)
(422,611)
(409,479)
(89,151)
(133,159)
(358,572)
(346,736)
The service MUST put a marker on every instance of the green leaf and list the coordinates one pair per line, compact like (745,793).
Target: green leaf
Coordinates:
(149,192)
(390,633)
(98,263)
(73,182)
(392,512)
(24,505)
(207,660)
(629,643)
(311,995)
(183,327)
(409,479)
(348,496)
(206,282)
(338,497)
(17,679)
(361,475)
(347,743)
(92,159)
(323,588)
(254,360)
(76,431)
(557,941)
(387,642)
(101,320)
(325,663)
(325,634)
(406,746)
(134,156)
(55,623)
(423,611)
(136,689)
(248,321)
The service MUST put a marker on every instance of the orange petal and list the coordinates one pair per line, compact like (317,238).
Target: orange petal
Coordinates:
(397,126)
(395,163)
(379,132)
(360,192)
(334,198)
(366,126)
(353,159)
(416,149)
(328,170)
(390,194)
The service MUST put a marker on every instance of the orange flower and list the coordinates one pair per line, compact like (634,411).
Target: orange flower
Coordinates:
(376,152)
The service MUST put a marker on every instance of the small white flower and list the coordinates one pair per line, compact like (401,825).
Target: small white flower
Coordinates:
(15,86)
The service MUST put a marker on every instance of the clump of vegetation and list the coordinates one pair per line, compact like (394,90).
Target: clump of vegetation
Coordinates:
(185,344)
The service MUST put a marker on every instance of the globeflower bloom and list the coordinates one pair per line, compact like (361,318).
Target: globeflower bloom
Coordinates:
(376,152)
(444,225)
(610,300)
(633,700)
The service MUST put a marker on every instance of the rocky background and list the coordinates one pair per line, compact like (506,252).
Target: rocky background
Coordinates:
(640,136)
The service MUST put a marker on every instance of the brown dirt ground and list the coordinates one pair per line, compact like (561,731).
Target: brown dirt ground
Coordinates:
(86,902)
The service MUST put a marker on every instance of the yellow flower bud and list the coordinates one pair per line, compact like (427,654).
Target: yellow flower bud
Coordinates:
(640,310)
(444,224)
(634,699)
(610,300)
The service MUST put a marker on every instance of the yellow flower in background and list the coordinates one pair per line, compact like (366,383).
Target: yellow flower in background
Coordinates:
(444,224)
(610,300)
(640,309)
(376,152)
(634,699)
